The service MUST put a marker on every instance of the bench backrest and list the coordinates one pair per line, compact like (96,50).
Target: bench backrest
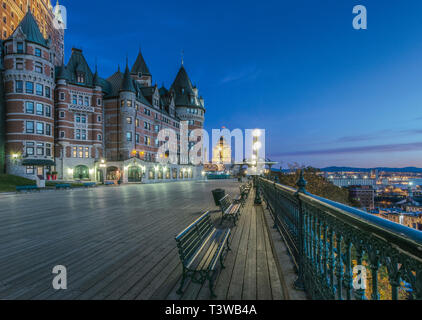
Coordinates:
(191,239)
(26,187)
(225,202)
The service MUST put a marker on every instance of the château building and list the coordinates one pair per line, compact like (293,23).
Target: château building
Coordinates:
(64,118)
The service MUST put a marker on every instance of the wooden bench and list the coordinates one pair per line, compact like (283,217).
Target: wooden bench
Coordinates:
(201,246)
(244,190)
(63,186)
(27,188)
(90,184)
(229,209)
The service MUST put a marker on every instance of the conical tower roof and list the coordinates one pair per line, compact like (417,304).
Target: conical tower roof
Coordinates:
(127,82)
(30,28)
(182,81)
(140,65)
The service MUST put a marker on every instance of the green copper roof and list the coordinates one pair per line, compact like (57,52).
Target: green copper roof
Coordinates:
(183,90)
(140,66)
(182,83)
(77,64)
(61,72)
(30,28)
(115,81)
(127,82)
(96,79)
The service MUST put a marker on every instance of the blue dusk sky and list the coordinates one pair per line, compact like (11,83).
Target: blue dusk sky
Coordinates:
(326,94)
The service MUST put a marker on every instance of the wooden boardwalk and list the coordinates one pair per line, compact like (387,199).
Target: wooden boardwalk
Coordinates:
(118,243)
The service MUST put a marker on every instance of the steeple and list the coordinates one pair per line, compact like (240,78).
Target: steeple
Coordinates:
(140,65)
(62,72)
(96,79)
(127,82)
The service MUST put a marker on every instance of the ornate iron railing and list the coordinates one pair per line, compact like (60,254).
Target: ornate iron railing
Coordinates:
(336,247)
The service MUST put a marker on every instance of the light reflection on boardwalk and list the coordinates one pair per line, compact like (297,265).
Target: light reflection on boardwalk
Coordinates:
(118,243)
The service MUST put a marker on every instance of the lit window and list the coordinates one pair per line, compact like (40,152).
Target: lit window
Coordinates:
(81,77)
(129,120)
(86,152)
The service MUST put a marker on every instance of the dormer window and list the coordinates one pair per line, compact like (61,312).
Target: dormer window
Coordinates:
(81,77)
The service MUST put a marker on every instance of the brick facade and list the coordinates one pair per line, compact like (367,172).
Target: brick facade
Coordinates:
(66,119)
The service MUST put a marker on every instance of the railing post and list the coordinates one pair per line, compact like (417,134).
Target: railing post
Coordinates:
(257,195)
(300,281)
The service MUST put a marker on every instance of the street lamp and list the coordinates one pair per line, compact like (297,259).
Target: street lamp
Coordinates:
(256,146)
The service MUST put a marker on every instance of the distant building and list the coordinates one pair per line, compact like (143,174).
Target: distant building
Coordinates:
(67,120)
(411,220)
(364,195)
(347,182)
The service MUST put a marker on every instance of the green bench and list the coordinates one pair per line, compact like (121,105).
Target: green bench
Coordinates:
(201,246)
(27,188)
(230,209)
(63,186)
(244,191)
(90,184)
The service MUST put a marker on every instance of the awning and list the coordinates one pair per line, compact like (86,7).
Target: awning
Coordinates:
(38,162)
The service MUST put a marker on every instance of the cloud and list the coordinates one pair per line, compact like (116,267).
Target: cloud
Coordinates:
(382,134)
(399,147)
(246,74)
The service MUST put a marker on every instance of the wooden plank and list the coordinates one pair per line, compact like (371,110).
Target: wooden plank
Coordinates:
(263,278)
(250,277)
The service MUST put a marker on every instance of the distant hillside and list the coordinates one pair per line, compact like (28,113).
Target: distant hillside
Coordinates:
(406,169)
(317,185)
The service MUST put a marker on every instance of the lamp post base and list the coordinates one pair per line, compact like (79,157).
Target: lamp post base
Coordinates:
(257,200)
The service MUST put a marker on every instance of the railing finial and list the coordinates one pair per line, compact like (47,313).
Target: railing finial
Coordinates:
(301,183)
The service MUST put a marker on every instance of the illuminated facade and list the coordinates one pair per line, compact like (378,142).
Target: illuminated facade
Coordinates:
(68,122)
